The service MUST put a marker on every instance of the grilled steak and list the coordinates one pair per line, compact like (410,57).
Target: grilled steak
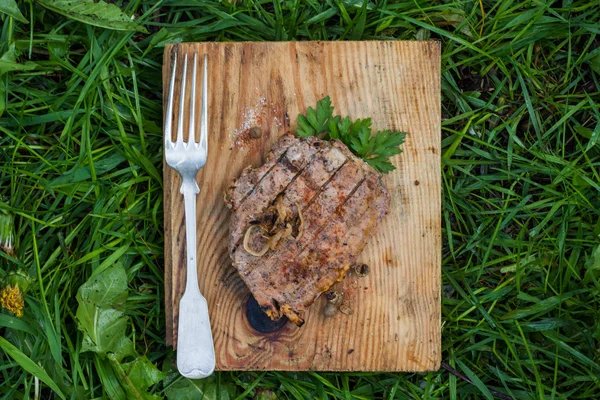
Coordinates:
(300,220)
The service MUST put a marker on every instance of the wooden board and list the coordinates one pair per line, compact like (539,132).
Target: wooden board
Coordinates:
(395,320)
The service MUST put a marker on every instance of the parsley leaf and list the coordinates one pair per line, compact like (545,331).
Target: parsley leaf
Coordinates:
(357,135)
(316,122)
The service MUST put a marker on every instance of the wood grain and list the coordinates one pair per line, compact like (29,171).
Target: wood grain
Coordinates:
(395,319)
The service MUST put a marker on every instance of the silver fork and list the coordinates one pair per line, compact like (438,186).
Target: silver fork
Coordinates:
(195,348)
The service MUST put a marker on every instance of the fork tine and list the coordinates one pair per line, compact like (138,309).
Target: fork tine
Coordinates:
(192,133)
(182,102)
(169,115)
(204,111)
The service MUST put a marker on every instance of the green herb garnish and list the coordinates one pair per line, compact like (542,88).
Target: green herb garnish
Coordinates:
(374,149)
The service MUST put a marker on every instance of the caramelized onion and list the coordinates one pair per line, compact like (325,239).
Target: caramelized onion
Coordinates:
(259,253)
(279,236)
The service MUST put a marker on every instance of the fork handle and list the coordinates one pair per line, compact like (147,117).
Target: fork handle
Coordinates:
(195,348)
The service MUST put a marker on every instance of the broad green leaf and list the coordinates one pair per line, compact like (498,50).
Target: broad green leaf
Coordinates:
(100,13)
(29,365)
(143,373)
(104,330)
(137,376)
(208,389)
(107,289)
(100,300)
(10,8)
(99,316)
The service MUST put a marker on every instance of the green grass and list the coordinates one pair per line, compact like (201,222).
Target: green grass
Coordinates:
(80,173)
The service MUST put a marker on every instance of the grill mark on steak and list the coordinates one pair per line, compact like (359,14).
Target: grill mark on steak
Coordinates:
(355,238)
(236,225)
(319,211)
(312,199)
(307,186)
(327,200)
(351,211)
(277,181)
(244,186)
(255,185)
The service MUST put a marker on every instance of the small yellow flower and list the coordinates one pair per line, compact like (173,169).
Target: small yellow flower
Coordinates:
(12,299)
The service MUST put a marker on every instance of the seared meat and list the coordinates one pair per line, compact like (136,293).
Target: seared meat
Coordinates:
(300,220)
